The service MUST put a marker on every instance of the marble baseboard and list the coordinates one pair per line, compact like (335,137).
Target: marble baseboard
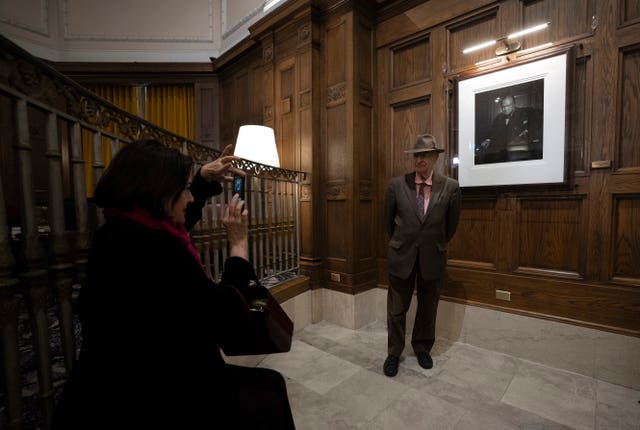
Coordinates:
(609,357)
(347,310)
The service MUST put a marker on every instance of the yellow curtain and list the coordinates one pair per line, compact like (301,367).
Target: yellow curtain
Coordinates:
(126,98)
(172,107)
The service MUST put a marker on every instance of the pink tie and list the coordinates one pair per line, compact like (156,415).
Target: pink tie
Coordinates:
(421,207)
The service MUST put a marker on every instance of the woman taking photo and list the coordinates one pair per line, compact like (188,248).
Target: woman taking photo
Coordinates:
(152,319)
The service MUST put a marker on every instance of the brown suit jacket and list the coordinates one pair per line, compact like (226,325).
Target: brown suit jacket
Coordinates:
(412,234)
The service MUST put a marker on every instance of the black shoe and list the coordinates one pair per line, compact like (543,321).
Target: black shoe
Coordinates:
(424,360)
(391,365)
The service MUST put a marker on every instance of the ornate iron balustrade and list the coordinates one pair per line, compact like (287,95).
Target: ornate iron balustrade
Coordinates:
(46,219)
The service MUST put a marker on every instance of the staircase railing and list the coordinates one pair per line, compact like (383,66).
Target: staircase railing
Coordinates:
(46,218)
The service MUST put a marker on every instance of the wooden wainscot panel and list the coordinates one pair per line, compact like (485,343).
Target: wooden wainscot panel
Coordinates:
(475,241)
(338,159)
(471,31)
(407,121)
(227,129)
(364,53)
(628,12)
(364,236)
(262,98)
(207,117)
(629,154)
(626,240)
(568,20)
(286,121)
(423,16)
(592,305)
(580,132)
(363,152)
(411,62)
(287,42)
(338,227)
(551,236)
(338,238)
(243,100)
(335,40)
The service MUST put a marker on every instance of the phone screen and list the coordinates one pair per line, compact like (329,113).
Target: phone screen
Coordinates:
(238,186)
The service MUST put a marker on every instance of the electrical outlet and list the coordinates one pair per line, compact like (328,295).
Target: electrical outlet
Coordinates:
(335,277)
(503,295)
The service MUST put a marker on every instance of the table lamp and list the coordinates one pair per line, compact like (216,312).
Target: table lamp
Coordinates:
(257,143)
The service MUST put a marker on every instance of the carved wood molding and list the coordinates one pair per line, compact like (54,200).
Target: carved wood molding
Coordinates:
(267,113)
(366,190)
(336,94)
(366,95)
(305,99)
(336,192)
(267,53)
(306,193)
(304,34)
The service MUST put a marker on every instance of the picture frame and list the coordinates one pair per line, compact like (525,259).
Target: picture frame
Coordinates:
(512,127)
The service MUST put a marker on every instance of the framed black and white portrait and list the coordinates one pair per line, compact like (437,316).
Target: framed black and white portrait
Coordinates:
(512,125)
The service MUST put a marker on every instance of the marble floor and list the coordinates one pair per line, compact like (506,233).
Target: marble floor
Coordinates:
(335,381)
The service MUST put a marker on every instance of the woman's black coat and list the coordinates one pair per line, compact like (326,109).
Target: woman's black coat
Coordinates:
(151,322)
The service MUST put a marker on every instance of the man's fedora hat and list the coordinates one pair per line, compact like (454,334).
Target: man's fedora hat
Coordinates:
(424,143)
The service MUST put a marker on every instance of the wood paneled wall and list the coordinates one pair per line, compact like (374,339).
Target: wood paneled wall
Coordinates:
(347,85)
(273,79)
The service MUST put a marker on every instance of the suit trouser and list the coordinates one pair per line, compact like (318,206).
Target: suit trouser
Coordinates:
(399,297)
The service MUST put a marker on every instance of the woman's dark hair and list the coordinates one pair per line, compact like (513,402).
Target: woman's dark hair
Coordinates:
(146,174)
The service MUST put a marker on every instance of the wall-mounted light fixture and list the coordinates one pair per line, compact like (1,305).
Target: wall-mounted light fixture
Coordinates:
(509,43)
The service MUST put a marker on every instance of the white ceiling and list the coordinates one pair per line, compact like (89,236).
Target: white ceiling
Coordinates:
(128,30)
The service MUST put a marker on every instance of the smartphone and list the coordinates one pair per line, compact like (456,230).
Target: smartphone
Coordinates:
(238,186)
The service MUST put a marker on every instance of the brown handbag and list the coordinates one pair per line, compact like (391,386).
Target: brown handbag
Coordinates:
(267,328)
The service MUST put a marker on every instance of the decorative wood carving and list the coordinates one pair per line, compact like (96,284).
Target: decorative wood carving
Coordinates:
(267,53)
(304,33)
(336,192)
(305,99)
(366,190)
(336,94)
(306,193)
(366,95)
(268,114)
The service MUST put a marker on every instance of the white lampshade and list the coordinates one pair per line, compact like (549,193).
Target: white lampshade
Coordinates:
(257,143)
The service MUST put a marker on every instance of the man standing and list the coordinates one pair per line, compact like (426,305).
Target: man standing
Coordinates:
(421,213)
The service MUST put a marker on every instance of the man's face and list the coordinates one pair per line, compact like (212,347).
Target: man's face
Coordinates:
(424,161)
(507,106)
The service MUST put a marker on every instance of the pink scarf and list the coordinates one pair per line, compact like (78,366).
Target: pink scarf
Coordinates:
(143,217)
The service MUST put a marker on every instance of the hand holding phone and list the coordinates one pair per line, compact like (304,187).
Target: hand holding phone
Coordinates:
(238,186)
